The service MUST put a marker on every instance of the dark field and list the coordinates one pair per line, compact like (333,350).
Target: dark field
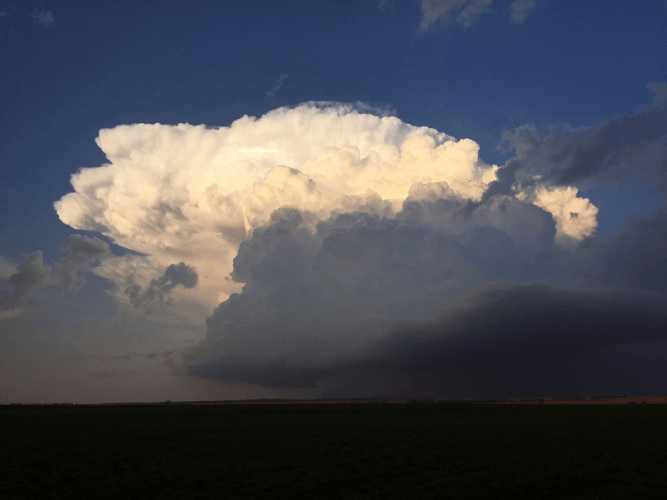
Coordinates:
(334,451)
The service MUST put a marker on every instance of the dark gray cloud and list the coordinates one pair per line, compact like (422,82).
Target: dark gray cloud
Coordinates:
(626,146)
(31,273)
(316,304)
(82,252)
(159,288)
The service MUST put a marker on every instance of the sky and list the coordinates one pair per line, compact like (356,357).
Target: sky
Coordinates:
(332,199)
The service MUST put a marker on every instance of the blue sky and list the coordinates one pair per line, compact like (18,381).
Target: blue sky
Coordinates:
(470,69)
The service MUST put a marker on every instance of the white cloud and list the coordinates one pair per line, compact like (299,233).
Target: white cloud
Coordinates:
(575,217)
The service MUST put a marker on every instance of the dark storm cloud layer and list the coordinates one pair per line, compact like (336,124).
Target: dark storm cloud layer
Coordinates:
(476,295)
(525,337)
(174,275)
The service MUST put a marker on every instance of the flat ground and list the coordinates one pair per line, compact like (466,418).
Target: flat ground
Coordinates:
(651,400)
(333,451)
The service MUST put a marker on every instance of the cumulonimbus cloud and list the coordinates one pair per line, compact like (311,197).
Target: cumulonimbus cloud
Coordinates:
(337,227)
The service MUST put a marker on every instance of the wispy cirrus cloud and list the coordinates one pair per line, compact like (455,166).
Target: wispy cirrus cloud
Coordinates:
(277,85)
(43,17)
(520,9)
(464,12)
(467,12)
